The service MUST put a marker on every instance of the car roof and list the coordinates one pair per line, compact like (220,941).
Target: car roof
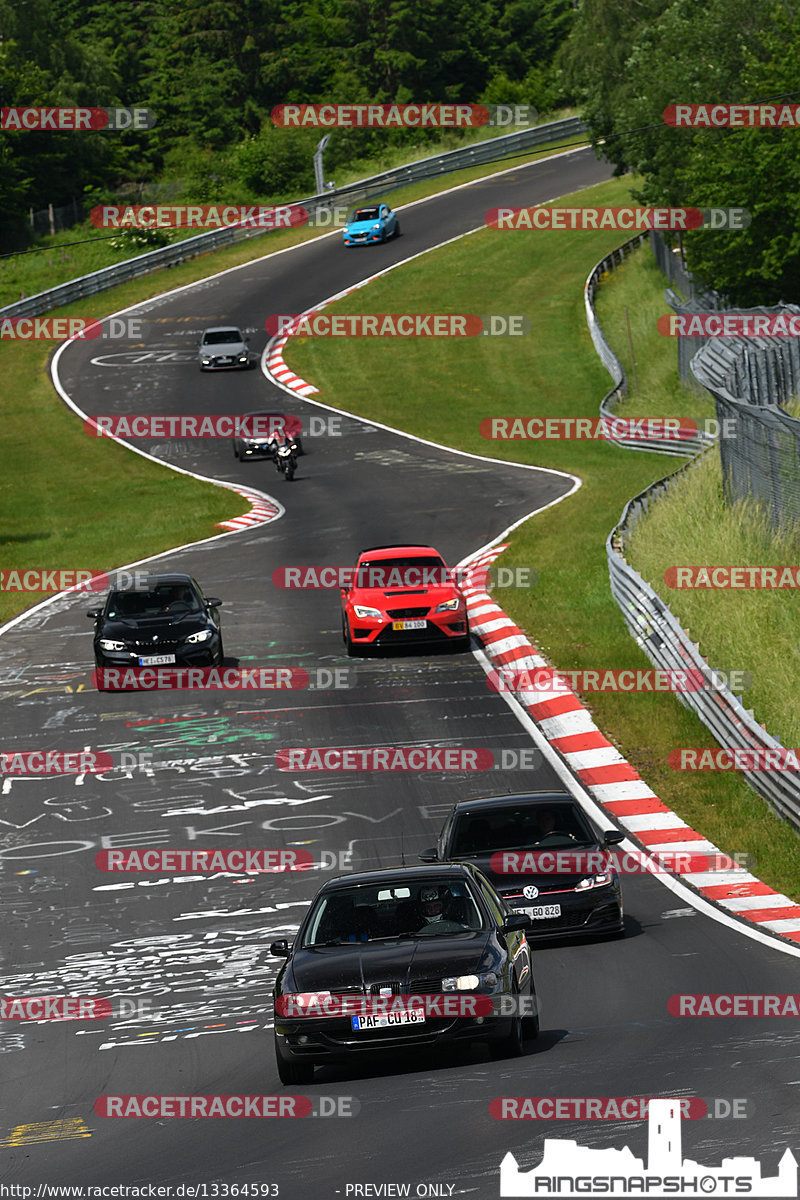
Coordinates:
(222,329)
(412,874)
(518,799)
(390,551)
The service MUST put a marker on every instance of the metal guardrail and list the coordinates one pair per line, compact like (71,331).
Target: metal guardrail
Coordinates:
(691,441)
(425,168)
(662,638)
(664,641)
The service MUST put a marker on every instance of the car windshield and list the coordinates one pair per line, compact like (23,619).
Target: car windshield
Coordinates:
(218,337)
(365,214)
(414,571)
(380,912)
(164,598)
(518,827)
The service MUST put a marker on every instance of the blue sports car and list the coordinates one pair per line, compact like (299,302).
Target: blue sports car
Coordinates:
(376,223)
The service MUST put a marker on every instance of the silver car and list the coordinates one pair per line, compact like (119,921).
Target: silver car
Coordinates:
(224,347)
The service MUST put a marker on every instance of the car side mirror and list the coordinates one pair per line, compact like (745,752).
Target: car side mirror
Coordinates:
(95,613)
(212,602)
(613,837)
(280,948)
(428,856)
(516,921)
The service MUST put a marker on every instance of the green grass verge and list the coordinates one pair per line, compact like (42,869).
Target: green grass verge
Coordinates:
(442,391)
(58,262)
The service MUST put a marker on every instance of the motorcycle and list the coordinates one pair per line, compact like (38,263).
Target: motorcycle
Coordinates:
(285,458)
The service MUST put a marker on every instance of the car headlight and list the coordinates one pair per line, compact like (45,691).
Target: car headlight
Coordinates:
(109,644)
(448,605)
(469,983)
(206,361)
(243,357)
(377,225)
(202,635)
(594,881)
(362,611)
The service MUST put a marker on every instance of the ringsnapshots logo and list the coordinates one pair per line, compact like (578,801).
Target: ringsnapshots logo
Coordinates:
(732,116)
(60,120)
(401,116)
(398,325)
(627,219)
(568,1169)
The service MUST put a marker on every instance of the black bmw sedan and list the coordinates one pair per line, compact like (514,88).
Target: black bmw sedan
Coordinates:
(406,957)
(167,621)
(543,856)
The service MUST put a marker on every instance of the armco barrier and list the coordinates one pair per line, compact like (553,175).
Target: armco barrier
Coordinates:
(687,446)
(425,168)
(660,635)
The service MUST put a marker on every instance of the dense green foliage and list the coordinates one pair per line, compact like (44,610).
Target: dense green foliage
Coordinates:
(212,71)
(629,59)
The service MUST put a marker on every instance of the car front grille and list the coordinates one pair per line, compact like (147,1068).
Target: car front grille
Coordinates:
(398,613)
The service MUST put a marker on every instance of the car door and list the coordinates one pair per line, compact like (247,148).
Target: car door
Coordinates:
(515,940)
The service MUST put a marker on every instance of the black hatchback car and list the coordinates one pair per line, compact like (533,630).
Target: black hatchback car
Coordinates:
(409,957)
(167,621)
(543,856)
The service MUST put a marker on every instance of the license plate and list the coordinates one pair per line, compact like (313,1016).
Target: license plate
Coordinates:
(401,625)
(156,660)
(543,911)
(408,1016)
(225,359)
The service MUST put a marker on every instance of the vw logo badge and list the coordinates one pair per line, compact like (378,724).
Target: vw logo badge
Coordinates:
(530,892)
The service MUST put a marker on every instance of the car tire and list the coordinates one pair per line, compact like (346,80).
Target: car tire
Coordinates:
(219,661)
(348,641)
(292,1073)
(397,230)
(512,1045)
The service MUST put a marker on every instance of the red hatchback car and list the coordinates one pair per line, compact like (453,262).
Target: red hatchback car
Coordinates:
(401,595)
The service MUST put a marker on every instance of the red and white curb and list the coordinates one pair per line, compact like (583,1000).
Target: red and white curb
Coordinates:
(281,373)
(263,510)
(607,776)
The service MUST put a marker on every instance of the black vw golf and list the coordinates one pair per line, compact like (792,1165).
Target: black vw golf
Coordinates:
(167,621)
(543,856)
(390,959)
